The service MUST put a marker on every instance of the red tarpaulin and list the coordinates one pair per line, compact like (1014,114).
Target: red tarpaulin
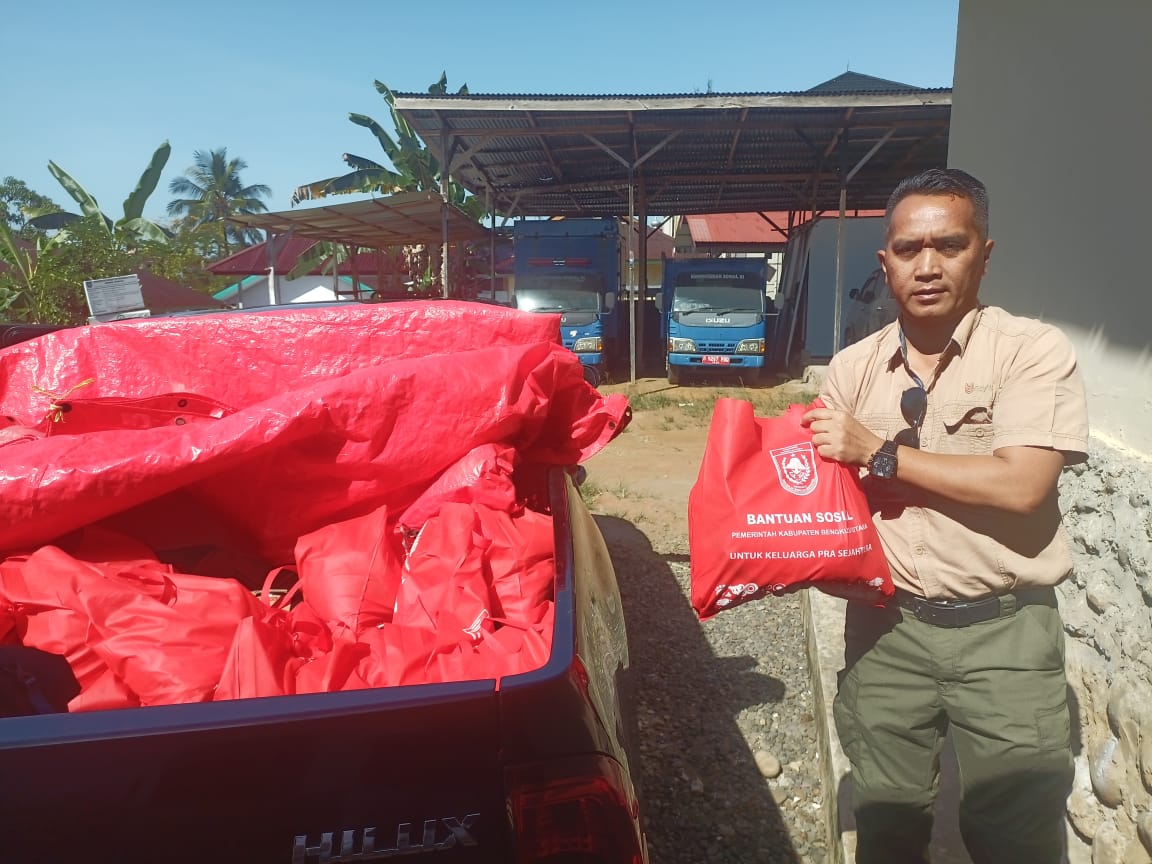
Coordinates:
(370,449)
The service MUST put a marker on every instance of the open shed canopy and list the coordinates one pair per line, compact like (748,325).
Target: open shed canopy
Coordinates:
(686,154)
(403,219)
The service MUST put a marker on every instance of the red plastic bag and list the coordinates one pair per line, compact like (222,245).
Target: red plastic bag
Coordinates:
(769,515)
(483,476)
(164,636)
(444,588)
(350,571)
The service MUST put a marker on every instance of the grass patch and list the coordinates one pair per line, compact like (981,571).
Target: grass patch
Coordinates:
(698,404)
(623,491)
(590,490)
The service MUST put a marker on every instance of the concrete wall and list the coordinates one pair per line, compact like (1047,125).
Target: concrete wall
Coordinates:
(1051,110)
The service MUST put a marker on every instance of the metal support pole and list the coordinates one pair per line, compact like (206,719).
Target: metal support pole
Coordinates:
(491,241)
(444,170)
(631,280)
(642,272)
(838,300)
(354,260)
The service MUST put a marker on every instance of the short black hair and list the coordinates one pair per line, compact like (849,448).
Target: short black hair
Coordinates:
(944,181)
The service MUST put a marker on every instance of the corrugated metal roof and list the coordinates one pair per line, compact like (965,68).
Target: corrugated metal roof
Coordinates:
(404,219)
(685,154)
(856,82)
(258,258)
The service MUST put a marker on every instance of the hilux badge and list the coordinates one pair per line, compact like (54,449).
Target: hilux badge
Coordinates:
(354,845)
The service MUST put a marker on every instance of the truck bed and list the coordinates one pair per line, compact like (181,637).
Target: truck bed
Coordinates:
(467,771)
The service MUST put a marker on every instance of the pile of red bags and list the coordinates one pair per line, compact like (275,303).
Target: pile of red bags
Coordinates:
(303,500)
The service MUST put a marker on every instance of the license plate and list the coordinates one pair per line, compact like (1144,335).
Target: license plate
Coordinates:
(715,359)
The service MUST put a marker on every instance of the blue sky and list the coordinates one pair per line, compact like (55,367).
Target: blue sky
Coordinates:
(97,87)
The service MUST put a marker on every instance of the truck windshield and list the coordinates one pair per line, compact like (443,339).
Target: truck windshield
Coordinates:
(718,292)
(560,292)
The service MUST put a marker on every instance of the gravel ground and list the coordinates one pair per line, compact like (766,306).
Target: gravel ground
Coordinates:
(720,704)
(729,765)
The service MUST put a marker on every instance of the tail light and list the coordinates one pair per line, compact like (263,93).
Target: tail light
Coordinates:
(579,811)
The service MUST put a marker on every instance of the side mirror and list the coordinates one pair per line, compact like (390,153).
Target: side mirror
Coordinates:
(658,300)
(609,302)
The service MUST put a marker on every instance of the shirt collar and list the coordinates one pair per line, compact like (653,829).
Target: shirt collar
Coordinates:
(961,336)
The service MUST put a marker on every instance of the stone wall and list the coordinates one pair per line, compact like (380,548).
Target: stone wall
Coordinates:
(1107,609)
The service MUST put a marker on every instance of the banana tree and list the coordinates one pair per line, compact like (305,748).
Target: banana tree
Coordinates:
(413,167)
(21,292)
(132,227)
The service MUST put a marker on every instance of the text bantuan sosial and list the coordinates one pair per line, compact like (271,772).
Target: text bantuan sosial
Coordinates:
(826,517)
(795,520)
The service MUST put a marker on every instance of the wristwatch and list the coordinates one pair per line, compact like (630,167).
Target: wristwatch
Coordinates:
(882,463)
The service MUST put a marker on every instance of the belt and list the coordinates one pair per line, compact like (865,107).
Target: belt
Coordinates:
(963,613)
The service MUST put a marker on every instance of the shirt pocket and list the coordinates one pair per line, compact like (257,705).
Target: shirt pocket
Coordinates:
(965,428)
(884,424)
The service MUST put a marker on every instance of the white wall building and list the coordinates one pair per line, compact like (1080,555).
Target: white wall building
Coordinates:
(1051,110)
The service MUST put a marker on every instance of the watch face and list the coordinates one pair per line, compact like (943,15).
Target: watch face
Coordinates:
(882,465)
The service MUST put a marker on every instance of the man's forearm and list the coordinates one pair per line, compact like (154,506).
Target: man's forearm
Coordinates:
(1013,479)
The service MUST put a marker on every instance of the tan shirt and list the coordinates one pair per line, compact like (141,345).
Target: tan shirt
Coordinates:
(1004,381)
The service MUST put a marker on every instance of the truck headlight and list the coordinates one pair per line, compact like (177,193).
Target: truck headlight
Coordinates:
(588,343)
(681,346)
(750,346)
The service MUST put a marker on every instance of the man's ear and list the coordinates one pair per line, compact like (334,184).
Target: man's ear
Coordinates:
(880,258)
(988,244)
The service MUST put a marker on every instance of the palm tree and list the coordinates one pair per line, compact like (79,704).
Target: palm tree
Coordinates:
(132,228)
(212,191)
(414,169)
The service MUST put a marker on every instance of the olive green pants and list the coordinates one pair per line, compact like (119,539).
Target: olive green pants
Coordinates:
(999,686)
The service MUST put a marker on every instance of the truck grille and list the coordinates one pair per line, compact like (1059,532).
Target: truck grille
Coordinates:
(715,347)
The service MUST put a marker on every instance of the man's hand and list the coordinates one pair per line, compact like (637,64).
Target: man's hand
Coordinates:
(840,436)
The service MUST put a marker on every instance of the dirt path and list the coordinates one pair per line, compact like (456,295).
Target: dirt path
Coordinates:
(716,700)
(644,476)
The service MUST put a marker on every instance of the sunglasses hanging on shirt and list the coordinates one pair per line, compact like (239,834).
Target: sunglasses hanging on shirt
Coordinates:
(913,405)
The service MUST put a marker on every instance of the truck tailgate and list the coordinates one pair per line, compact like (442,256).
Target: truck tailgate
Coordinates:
(353,776)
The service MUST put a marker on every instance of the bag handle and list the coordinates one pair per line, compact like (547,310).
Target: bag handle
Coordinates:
(266,592)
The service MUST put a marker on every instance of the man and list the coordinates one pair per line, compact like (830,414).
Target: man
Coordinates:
(964,416)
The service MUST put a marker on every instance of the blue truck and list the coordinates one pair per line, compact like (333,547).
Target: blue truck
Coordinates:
(573,267)
(716,316)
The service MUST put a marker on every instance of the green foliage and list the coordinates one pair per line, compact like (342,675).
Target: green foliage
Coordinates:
(23,295)
(44,281)
(213,192)
(132,227)
(412,167)
(17,201)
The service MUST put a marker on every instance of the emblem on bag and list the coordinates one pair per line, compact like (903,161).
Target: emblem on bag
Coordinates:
(796,467)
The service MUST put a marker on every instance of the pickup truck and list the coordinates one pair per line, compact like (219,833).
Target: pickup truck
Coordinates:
(529,767)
